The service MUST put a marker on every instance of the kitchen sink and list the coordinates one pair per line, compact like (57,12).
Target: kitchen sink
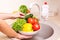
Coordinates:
(45,32)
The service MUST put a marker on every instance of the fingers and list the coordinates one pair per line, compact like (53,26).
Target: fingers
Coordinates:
(22,15)
(19,15)
(23,36)
(15,39)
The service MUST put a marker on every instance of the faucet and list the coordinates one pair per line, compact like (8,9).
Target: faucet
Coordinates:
(39,14)
(35,3)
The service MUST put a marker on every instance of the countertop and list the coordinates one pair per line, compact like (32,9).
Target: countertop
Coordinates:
(55,24)
(53,21)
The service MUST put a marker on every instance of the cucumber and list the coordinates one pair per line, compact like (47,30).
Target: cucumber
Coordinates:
(29,16)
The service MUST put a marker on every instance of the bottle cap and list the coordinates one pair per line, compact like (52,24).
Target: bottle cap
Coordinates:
(45,3)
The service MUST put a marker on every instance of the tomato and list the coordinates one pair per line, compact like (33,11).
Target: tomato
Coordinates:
(30,20)
(36,26)
(35,20)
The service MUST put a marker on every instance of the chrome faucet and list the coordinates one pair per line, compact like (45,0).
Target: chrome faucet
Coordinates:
(35,3)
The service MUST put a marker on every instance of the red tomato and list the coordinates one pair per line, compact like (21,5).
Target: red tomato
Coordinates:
(30,20)
(35,20)
(36,26)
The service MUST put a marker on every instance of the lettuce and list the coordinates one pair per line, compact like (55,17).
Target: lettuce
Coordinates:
(18,24)
(23,9)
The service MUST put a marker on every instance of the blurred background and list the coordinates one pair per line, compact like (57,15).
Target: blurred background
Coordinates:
(8,6)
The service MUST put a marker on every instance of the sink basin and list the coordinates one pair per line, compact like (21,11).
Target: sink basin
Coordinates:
(45,32)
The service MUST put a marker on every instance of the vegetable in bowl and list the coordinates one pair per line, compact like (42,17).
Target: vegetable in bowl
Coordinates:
(25,26)
(29,25)
(18,24)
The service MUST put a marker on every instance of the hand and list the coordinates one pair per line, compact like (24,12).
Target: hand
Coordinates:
(18,14)
(19,36)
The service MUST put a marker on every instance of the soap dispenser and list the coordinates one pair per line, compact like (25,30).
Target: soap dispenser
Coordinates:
(45,11)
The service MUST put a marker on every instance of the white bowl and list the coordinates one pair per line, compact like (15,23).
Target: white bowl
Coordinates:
(29,33)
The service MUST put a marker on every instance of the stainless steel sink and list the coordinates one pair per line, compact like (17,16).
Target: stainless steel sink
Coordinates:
(45,32)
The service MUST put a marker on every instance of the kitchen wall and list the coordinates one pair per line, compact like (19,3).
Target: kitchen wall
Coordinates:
(53,6)
(12,5)
(8,6)
(58,3)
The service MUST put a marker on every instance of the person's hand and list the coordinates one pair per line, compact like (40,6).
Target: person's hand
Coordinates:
(18,14)
(19,36)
